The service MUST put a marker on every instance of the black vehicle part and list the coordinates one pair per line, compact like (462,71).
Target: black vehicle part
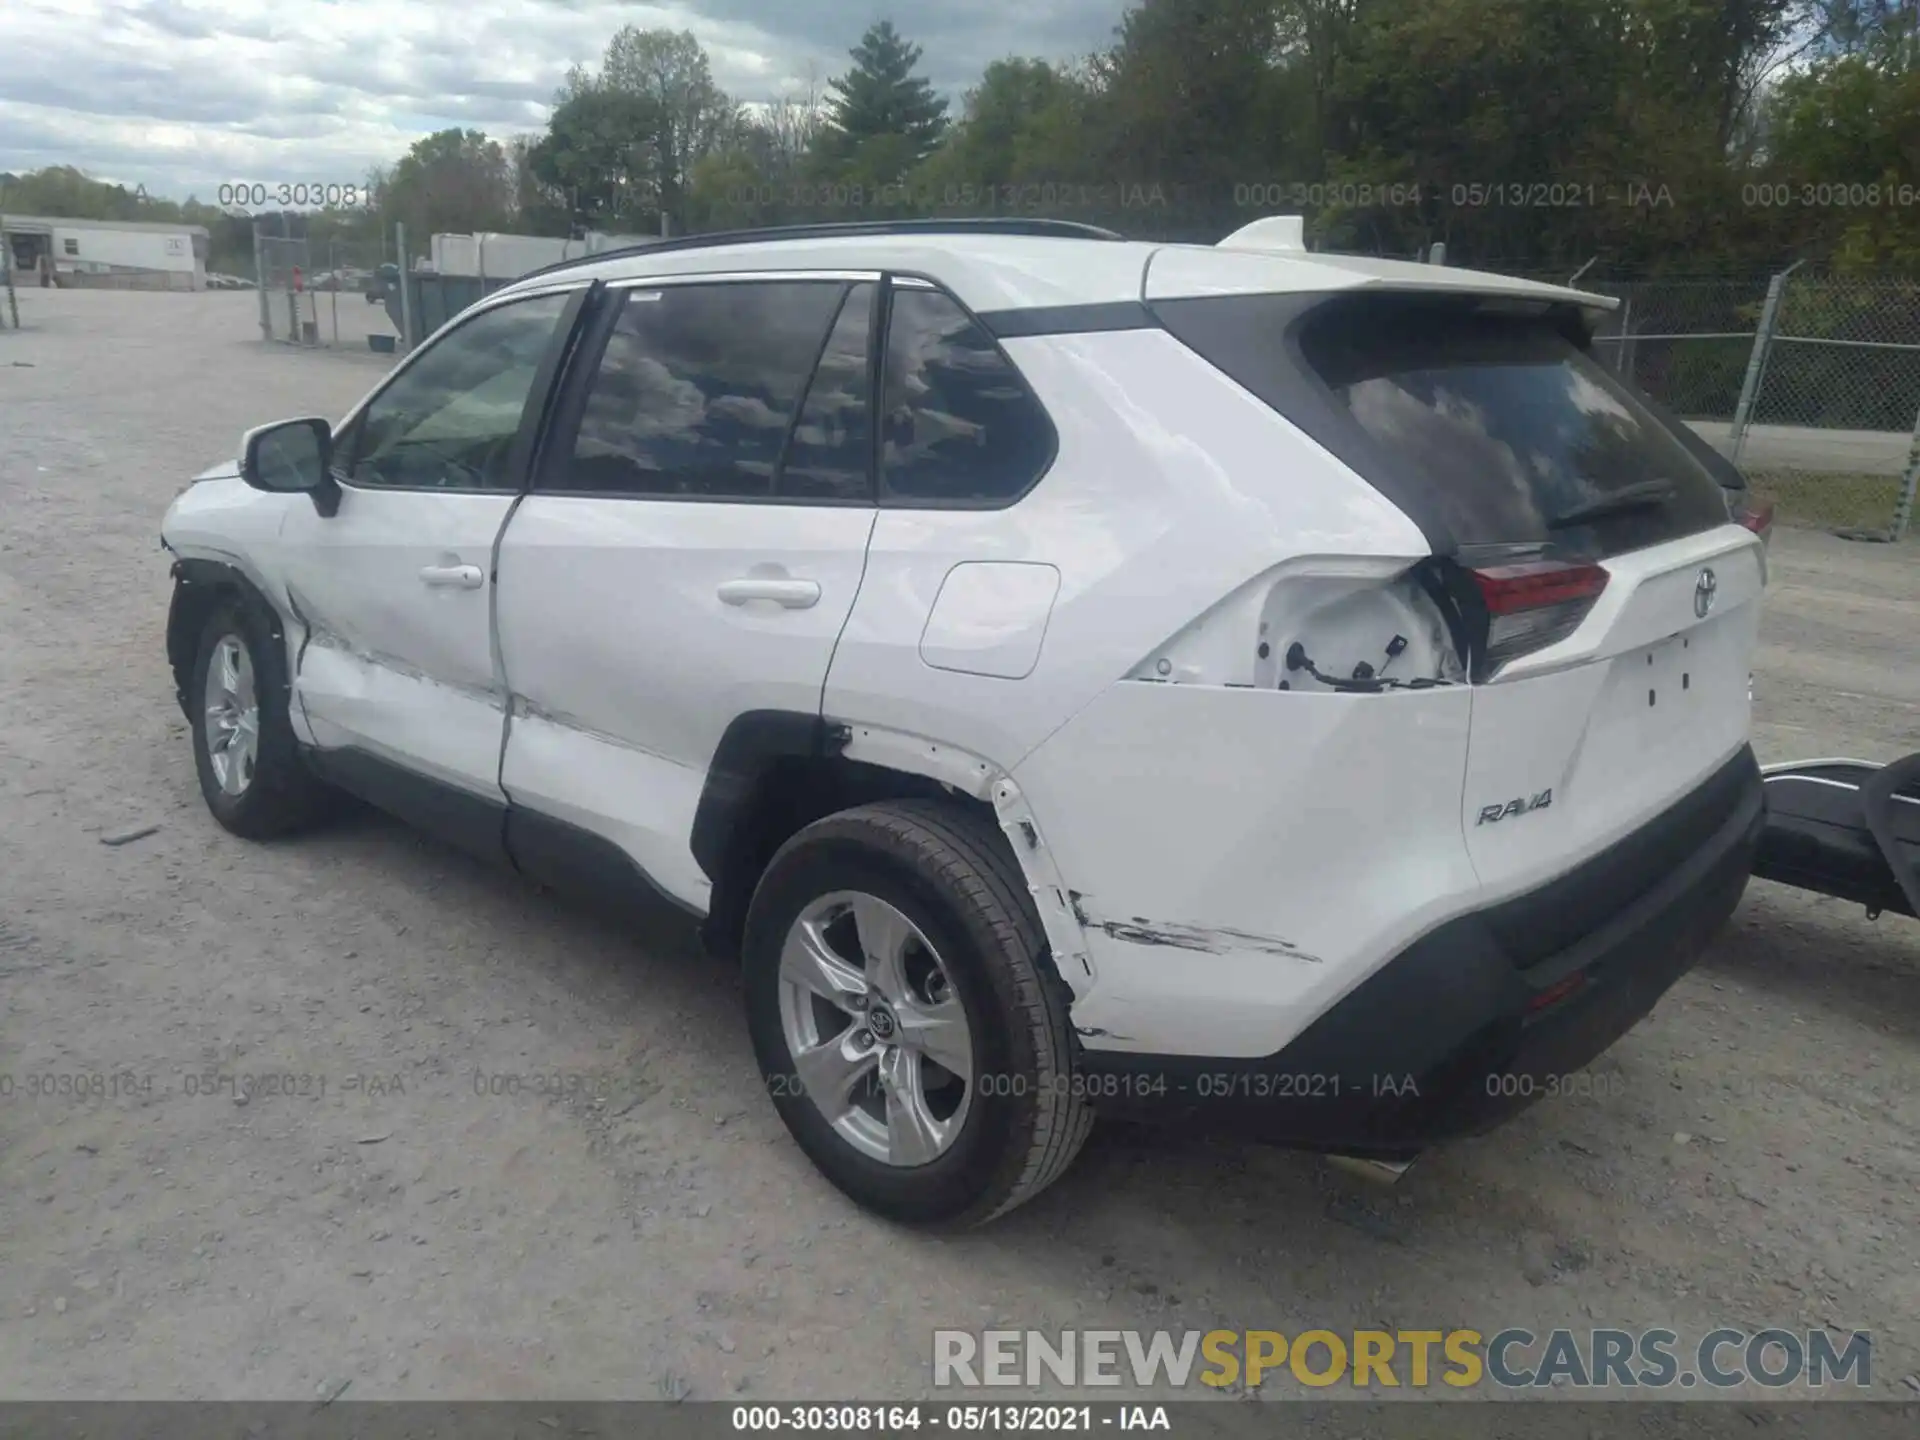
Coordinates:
(1892,801)
(1366,375)
(1845,828)
(199,586)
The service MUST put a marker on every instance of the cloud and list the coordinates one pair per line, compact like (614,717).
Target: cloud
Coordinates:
(184,95)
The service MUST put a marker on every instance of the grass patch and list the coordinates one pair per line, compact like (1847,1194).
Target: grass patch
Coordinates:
(1828,500)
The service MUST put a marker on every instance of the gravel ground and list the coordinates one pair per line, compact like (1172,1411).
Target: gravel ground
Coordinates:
(654,1229)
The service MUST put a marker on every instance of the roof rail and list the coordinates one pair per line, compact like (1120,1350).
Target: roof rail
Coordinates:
(964,225)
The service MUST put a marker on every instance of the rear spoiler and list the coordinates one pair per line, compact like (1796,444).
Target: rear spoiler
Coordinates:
(1287,235)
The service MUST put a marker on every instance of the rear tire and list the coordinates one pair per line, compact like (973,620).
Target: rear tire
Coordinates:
(251,773)
(984,1143)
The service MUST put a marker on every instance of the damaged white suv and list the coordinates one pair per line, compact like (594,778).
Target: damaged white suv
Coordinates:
(1278,691)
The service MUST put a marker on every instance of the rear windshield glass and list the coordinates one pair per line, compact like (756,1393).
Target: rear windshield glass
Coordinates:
(1488,429)
(1523,436)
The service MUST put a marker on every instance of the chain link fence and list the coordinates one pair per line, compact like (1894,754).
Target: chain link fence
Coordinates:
(288,313)
(1810,383)
(321,293)
(1833,428)
(1684,342)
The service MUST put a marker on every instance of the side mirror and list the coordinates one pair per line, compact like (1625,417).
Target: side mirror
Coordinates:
(293,457)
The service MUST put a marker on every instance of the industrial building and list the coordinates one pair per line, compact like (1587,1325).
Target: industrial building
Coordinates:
(105,254)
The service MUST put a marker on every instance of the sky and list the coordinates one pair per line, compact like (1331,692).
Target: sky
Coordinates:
(182,96)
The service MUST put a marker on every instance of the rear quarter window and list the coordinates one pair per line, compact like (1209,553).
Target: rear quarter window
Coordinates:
(960,428)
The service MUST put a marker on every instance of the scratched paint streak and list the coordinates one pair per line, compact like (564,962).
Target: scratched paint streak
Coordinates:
(320,634)
(1207,939)
(532,711)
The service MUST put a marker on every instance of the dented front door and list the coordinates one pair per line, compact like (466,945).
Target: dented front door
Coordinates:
(394,591)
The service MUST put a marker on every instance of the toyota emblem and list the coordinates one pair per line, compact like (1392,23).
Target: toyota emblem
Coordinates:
(1703,592)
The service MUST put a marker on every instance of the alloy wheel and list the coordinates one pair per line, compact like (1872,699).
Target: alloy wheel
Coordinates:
(233,716)
(879,1039)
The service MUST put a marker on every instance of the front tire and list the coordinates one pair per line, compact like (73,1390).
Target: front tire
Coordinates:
(251,773)
(907,1025)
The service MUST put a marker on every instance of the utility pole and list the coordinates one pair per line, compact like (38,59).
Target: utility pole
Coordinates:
(6,270)
(260,280)
(406,286)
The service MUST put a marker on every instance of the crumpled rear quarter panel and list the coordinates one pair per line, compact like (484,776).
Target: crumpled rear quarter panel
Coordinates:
(1241,859)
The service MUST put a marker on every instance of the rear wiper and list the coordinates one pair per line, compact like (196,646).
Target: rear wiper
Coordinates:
(1640,495)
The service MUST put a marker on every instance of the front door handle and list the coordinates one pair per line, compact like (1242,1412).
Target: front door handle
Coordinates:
(794,594)
(453,577)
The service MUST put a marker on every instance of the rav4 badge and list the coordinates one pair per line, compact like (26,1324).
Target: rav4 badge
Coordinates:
(1491,813)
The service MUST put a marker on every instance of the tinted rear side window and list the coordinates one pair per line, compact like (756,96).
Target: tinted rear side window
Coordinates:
(698,387)
(962,429)
(830,456)
(1497,427)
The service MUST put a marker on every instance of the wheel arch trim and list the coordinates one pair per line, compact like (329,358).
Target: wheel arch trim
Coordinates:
(198,582)
(755,742)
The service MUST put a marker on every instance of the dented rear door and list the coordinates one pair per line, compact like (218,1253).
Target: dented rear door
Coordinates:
(686,559)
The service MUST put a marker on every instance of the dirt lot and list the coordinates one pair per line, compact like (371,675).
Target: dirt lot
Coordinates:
(394,1228)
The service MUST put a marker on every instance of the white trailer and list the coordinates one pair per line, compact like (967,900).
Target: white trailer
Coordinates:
(498,256)
(115,253)
(86,248)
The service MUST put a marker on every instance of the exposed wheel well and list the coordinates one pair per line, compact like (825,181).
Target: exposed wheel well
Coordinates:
(195,596)
(199,587)
(785,795)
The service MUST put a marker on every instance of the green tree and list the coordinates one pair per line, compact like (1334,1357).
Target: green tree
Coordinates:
(994,138)
(542,208)
(758,179)
(1848,123)
(65,190)
(600,155)
(624,141)
(1619,146)
(880,111)
(453,181)
(729,191)
(1023,133)
(1527,134)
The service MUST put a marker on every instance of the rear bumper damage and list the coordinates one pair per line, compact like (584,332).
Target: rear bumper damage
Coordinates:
(1486,1013)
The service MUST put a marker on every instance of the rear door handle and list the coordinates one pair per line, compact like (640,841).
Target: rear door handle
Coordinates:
(794,594)
(453,577)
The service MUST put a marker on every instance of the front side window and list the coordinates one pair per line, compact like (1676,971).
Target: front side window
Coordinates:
(698,388)
(450,419)
(961,427)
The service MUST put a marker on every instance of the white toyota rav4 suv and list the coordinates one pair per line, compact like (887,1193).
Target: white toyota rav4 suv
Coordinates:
(1275,691)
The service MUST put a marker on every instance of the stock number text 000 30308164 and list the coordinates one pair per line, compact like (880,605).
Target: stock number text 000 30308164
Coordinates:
(293,195)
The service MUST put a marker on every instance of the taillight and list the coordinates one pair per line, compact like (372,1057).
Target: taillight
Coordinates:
(1757,516)
(1533,605)
(1555,993)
